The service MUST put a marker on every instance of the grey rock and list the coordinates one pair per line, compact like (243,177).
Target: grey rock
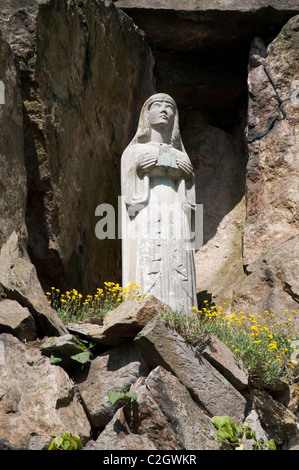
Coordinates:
(278,422)
(13,179)
(190,424)
(66,345)
(115,370)
(122,323)
(272,135)
(222,358)
(19,281)
(117,437)
(39,400)
(17,320)
(162,346)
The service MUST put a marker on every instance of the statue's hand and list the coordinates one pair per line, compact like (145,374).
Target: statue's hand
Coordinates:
(146,163)
(185,167)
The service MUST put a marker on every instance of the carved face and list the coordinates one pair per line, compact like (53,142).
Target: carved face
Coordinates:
(161,114)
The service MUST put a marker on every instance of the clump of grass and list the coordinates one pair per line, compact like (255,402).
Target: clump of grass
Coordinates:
(72,306)
(265,342)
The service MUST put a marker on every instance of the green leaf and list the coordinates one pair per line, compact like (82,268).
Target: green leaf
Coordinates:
(77,442)
(65,441)
(82,357)
(58,441)
(271,445)
(55,358)
(131,395)
(66,445)
(114,397)
(226,428)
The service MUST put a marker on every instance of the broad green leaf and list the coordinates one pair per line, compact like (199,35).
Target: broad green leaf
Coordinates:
(271,445)
(58,441)
(226,428)
(55,358)
(114,397)
(66,445)
(131,395)
(82,357)
(219,421)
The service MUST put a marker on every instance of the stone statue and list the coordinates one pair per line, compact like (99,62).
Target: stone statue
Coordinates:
(158,203)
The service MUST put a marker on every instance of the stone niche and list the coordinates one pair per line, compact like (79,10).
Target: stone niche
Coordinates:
(201,52)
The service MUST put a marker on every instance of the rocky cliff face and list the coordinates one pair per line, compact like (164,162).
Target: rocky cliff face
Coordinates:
(75,75)
(177,387)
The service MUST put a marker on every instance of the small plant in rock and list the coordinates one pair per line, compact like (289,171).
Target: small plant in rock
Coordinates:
(228,432)
(66,441)
(115,397)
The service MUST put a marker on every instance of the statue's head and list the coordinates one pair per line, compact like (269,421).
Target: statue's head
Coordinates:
(159,110)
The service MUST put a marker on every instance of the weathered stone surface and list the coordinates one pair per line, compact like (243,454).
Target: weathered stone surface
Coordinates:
(38,400)
(66,345)
(17,320)
(272,283)
(115,370)
(19,281)
(13,180)
(253,421)
(191,426)
(164,415)
(84,65)
(162,346)
(184,25)
(117,436)
(190,5)
(279,423)
(273,139)
(222,358)
(218,158)
(123,323)
(293,403)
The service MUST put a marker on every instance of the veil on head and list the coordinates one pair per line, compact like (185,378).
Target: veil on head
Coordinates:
(143,131)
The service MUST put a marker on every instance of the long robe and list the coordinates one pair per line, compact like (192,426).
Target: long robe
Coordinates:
(157,214)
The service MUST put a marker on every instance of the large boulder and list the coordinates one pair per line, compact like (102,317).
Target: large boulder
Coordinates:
(113,371)
(222,358)
(162,346)
(17,320)
(19,281)
(38,399)
(122,323)
(164,417)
